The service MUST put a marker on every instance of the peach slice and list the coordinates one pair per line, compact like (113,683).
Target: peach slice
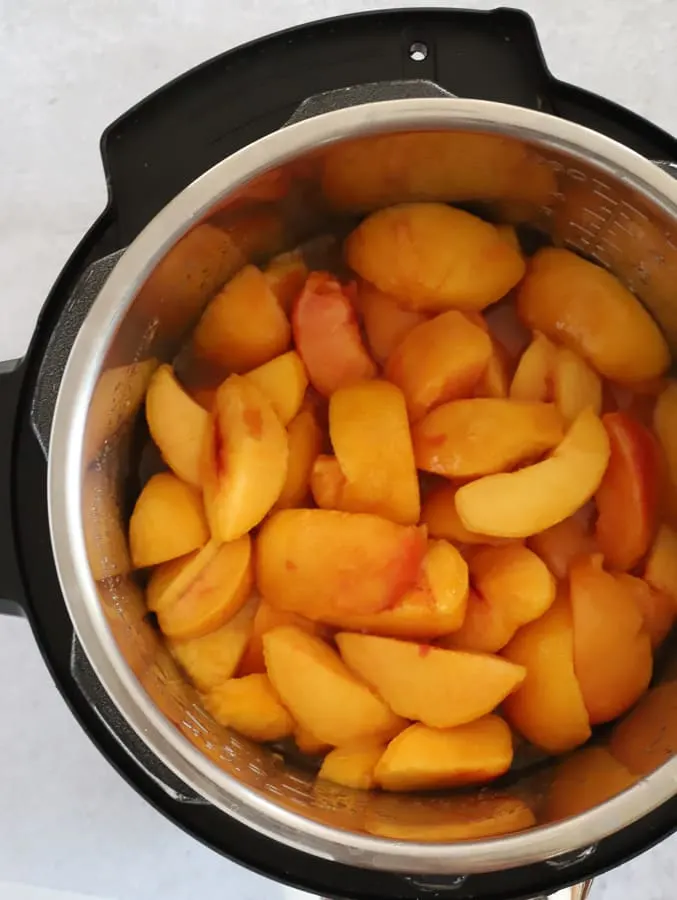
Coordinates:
(268,617)
(509,234)
(211,660)
(576,385)
(513,587)
(440,515)
(206,591)
(422,758)
(468,438)
(630,483)
(286,274)
(495,381)
(385,322)
(585,780)
(338,708)
(441,688)
(320,562)
(177,424)
(612,651)
(353,766)
(307,743)
(446,819)
(585,307)
(168,521)
(548,709)
(251,707)
(439,360)
(434,607)
(519,504)
(244,460)
(533,376)
(244,326)
(561,544)
(369,431)
(283,381)
(647,737)
(329,486)
(404,251)
(660,570)
(328,337)
(657,608)
(305,441)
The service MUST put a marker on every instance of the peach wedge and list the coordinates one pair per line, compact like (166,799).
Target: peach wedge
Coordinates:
(283,381)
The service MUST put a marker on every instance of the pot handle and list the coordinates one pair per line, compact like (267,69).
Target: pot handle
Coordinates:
(11,587)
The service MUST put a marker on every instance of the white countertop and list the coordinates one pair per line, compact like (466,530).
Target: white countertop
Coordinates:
(68,822)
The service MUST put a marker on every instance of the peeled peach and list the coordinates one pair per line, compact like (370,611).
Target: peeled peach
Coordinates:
(440,359)
(657,608)
(612,650)
(441,688)
(468,438)
(244,459)
(433,257)
(522,503)
(251,707)
(353,765)
(328,484)
(320,562)
(583,306)
(533,376)
(446,819)
(305,440)
(548,708)
(283,381)
(440,515)
(244,326)
(210,660)
(559,545)
(177,424)
(328,337)
(207,591)
(168,521)
(286,274)
(660,570)
(576,385)
(422,758)
(320,691)
(385,322)
(370,435)
(627,498)
(647,737)
(268,617)
(495,380)
(585,780)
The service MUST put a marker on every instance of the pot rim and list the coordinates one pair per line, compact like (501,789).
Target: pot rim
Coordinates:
(65,473)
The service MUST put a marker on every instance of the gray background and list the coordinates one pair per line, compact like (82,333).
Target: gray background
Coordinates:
(67,68)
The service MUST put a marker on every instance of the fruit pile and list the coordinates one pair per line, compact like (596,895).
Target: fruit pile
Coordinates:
(420,511)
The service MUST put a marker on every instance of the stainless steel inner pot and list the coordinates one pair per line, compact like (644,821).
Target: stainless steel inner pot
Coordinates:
(584,190)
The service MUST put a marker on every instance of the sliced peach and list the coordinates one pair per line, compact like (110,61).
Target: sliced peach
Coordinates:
(440,515)
(286,274)
(176,571)
(320,691)
(328,337)
(434,607)
(353,766)
(576,385)
(585,780)
(585,307)
(251,707)
(168,521)
(244,326)
(548,708)
(283,381)
(612,651)
(495,381)
(422,758)
(369,431)
(468,438)
(657,608)
(509,234)
(561,544)
(268,617)
(660,570)
(487,627)
(244,460)
(305,441)
(630,483)
(441,688)
(320,562)
(385,321)
(207,592)
(439,360)
(405,251)
(519,504)
(446,819)
(211,660)
(328,484)
(309,744)
(533,376)
(647,737)
(177,424)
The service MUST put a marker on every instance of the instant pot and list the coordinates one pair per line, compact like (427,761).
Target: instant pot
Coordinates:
(226,165)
